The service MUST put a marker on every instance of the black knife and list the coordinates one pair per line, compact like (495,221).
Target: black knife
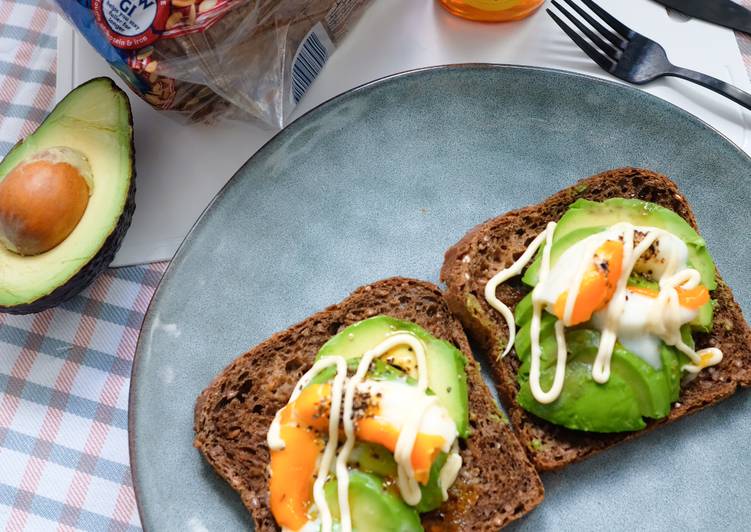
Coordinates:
(723,12)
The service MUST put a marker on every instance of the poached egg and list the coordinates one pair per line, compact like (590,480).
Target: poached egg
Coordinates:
(597,281)
(382,409)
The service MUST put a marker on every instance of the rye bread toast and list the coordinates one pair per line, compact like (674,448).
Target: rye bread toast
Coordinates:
(496,485)
(497,243)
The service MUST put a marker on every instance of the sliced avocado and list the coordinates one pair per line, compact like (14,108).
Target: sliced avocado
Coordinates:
(381,371)
(548,345)
(673,360)
(523,310)
(373,508)
(373,458)
(633,391)
(703,321)
(650,386)
(95,121)
(378,371)
(671,367)
(585,213)
(640,281)
(432,497)
(447,377)
(584,404)
(377,460)
(687,337)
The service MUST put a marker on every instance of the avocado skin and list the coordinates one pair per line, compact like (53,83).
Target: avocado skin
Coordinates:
(90,271)
(106,253)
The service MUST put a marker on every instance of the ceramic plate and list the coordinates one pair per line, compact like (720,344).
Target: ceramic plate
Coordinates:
(379,182)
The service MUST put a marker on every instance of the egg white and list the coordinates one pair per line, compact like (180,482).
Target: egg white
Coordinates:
(394,404)
(563,273)
(633,329)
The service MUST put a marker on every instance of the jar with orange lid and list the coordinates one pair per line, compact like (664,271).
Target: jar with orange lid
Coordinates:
(492,10)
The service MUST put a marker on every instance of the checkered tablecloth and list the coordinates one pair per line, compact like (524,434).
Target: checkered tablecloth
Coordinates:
(65,373)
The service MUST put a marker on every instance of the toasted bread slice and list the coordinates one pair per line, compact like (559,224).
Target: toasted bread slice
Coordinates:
(496,485)
(497,243)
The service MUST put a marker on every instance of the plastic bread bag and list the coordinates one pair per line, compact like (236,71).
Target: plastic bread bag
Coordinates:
(211,59)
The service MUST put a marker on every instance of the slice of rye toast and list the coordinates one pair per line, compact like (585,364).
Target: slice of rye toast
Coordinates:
(496,485)
(497,243)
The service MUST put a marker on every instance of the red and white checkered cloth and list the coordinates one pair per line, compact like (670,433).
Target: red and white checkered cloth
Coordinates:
(65,373)
(28,60)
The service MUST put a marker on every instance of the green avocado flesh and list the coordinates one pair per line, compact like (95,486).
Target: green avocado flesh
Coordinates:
(373,458)
(584,218)
(378,371)
(372,466)
(635,390)
(373,507)
(445,363)
(95,120)
(377,460)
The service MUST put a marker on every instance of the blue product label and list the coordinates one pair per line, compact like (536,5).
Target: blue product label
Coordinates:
(80,12)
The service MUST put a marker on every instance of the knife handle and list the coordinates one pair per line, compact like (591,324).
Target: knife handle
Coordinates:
(717,85)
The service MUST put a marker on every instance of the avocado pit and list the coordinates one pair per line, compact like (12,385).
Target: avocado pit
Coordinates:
(42,200)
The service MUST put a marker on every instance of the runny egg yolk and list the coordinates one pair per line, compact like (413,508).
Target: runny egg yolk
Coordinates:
(426,448)
(690,298)
(597,286)
(293,469)
(312,407)
(312,410)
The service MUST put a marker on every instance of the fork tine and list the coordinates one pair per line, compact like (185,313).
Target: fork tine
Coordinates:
(602,45)
(609,35)
(604,62)
(609,19)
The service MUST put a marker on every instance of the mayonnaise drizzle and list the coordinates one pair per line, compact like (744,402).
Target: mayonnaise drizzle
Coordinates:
(276,442)
(450,471)
(273,438)
(537,306)
(408,485)
(664,319)
(324,467)
(601,365)
(503,276)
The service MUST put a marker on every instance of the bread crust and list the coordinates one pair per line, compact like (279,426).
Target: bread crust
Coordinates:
(496,485)
(496,243)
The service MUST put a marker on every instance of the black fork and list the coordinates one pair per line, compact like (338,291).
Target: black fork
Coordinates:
(628,55)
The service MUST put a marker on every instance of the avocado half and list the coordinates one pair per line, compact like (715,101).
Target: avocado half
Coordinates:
(95,119)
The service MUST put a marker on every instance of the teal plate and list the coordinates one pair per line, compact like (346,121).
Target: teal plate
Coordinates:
(379,182)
